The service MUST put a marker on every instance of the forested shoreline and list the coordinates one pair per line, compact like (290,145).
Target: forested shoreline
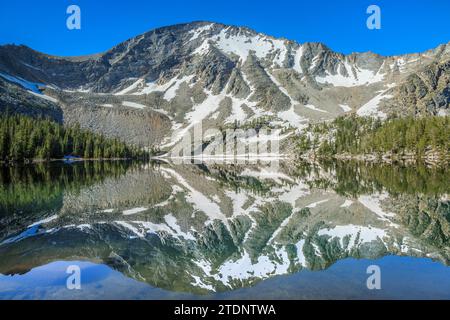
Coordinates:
(365,137)
(23,139)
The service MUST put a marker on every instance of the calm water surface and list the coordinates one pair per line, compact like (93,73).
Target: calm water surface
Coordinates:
(212,231)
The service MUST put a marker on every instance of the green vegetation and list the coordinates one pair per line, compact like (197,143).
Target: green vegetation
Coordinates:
(30,188)
(25,138)
(31,193)
(357,135)
(354,178)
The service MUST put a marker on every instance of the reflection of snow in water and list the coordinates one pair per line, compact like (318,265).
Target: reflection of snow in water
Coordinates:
(198,199)
(134,210)
(347,203)
(373,203)
(243,268)
(305,234)
(356,234)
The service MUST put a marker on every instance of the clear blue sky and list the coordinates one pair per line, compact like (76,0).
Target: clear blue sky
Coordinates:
(407,26)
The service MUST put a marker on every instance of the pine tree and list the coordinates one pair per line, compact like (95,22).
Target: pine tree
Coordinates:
(22,138)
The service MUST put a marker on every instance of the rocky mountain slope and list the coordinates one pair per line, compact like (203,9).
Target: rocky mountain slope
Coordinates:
(153,88)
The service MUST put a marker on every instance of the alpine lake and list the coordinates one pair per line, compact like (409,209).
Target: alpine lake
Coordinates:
(156,230)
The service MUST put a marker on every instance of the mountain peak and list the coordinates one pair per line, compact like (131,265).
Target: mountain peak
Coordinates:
(218,74)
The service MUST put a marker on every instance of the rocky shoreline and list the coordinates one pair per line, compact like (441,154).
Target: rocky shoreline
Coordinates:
(429,158)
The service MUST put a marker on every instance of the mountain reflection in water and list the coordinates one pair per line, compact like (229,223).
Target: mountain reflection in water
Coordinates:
(209,230)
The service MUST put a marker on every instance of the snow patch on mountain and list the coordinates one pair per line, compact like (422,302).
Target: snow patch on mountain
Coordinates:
(297,58)
(171,92)
(312,107)
(130,88)
(133,105)
(198,31)
(371,107)
(294,119)
(199,112)
(345,107)
(28,85)
(237,113)
(155,87)
(43,96)
(355,76)
(241,44)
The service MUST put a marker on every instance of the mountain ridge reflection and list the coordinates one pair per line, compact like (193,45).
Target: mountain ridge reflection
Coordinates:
(212,227)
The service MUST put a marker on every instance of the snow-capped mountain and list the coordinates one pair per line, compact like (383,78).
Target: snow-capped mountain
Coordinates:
(155,87)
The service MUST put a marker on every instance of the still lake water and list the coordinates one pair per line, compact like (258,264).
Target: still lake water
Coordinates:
(212,231)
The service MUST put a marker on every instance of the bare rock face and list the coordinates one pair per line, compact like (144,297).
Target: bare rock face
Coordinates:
(15,100)
(425,92)
(140,127)
(159,84)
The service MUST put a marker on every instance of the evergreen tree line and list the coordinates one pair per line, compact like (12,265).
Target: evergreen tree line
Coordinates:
(25,138)
(364,135)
